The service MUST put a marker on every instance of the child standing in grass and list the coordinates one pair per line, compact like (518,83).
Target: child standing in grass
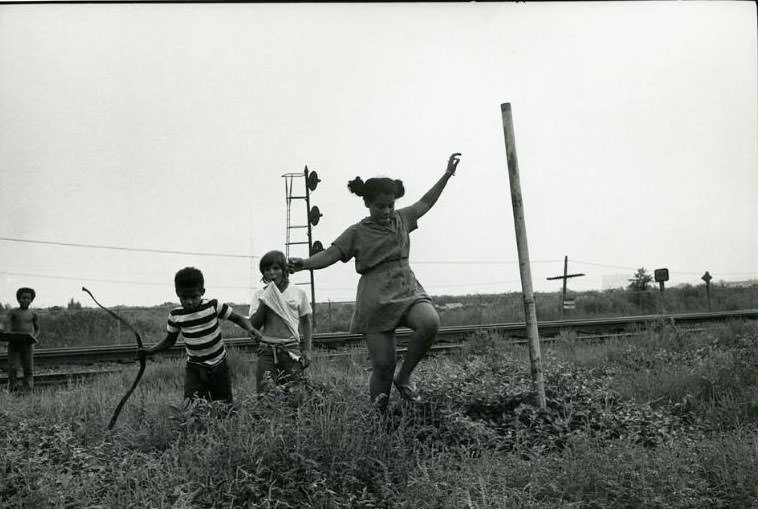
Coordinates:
(283,312)
(207,372)
(23,320)
(388,294)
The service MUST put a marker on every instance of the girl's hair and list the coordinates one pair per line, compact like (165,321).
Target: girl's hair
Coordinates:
(189,278)
(274,258)
(24,290)
(375,186)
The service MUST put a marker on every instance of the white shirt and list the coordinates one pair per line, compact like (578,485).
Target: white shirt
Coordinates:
(290,305)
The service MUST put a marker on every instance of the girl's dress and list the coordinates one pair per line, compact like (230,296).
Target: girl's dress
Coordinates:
(387,287)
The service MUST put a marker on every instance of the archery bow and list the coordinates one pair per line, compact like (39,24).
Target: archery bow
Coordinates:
(141,360)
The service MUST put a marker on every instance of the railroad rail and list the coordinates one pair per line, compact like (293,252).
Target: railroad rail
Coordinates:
(63,377)
(446,335)
(71,377)
(449,339)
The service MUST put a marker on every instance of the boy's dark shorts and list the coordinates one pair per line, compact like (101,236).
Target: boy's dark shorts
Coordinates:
(211,383)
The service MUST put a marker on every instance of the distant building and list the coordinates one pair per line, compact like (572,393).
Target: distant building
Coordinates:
(450,305)
(740,284)
(613,281)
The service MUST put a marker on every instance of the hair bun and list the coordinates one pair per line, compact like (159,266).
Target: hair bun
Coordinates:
(399,189)
(356,186)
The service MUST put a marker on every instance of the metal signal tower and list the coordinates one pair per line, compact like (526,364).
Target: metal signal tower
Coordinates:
(311,180)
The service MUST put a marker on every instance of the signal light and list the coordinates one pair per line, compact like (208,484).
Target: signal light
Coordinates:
(314,215)
(317,247)
(312,180)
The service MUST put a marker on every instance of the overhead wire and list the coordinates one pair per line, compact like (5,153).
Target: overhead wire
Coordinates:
(581,262)
(239,287)
(252,257)
(123,248)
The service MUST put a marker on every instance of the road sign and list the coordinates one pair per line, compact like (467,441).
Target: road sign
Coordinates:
(661,275)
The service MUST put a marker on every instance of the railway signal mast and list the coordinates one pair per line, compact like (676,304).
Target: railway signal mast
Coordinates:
(565,304)
(313,215)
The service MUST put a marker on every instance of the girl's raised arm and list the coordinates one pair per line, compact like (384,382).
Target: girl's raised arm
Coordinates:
(318,261)
(427,201)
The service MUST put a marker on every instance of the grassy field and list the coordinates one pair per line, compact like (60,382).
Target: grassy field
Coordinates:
(663,421)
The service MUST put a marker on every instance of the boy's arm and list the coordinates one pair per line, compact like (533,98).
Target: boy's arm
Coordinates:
(164,344)
(258,318)
(245,324)
(7,321)
(306,336)
(35,323)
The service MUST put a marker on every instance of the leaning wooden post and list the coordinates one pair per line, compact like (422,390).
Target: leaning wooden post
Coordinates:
(530,309)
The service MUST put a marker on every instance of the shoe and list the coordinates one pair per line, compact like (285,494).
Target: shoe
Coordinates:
(408,392)
(380,402)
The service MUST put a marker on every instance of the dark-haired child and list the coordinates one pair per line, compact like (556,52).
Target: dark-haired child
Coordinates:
(24,320)
(207,372)
(388,294)
(283,313)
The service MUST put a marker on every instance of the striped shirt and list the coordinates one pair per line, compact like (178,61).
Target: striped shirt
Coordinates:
(201,330)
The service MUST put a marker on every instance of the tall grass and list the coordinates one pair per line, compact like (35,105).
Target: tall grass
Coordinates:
(608,439)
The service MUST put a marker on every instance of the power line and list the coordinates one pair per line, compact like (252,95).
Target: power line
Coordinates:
(232,255)
(604,265)
(169,284)
(252,257)
(103,280)
(476,262)
(122,248)
(672,271)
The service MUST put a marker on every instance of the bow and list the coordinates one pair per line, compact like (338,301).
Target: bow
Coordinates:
(141,360)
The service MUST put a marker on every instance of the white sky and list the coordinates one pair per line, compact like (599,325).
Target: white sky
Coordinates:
(169,126)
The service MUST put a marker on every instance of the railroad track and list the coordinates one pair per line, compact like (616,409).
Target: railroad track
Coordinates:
(446,337)
(75,376)
(63,377)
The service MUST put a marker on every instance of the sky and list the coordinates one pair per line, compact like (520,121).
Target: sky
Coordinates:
(136,139)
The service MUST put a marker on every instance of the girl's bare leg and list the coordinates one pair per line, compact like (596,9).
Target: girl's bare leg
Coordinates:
(423,319)
(381,348)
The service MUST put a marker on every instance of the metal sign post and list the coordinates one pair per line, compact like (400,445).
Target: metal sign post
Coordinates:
(661,276)
(707,278)
(530,309)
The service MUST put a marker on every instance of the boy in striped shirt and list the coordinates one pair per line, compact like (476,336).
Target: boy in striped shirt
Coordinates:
(207,372)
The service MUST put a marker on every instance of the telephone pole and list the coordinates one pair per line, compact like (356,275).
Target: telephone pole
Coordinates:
(530,308)
(564,303)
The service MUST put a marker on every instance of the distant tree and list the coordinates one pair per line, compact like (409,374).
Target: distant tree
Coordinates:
(641,280)
(72,304)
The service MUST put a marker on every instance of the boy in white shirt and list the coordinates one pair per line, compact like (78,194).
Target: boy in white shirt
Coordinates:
(283,313)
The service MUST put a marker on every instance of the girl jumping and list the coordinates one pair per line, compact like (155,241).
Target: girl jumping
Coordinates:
(388,294)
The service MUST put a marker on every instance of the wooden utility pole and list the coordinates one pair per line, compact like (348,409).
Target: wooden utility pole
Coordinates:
(530,309)
(565,276)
